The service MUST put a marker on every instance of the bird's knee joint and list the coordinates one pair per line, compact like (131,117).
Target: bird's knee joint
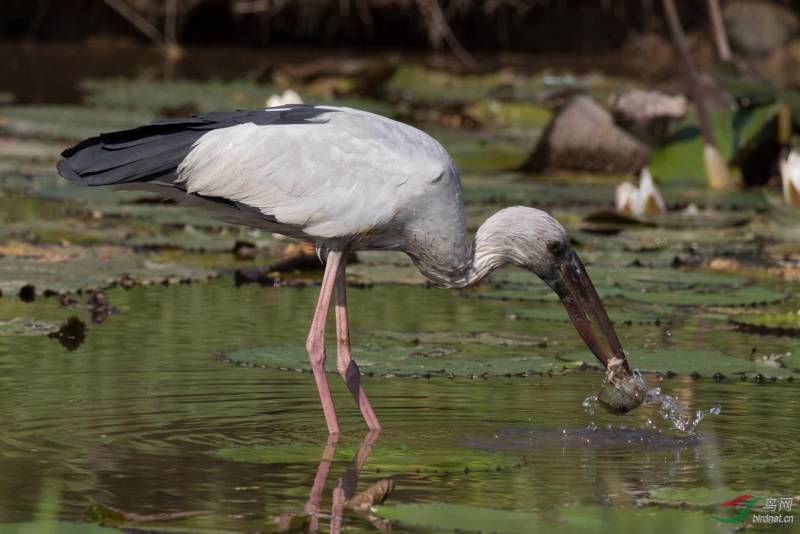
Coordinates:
(316,351)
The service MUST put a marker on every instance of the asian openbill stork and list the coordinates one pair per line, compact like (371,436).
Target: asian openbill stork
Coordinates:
(344,180)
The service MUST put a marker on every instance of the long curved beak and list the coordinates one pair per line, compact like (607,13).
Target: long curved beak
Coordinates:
(578,295)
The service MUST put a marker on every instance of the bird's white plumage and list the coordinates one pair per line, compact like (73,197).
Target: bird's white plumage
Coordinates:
(347,174)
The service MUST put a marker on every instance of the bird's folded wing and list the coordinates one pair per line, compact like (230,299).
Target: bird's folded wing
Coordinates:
(346,174)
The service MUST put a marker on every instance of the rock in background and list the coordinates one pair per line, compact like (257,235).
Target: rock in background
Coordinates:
(757,27)
(649,115)
(583,137)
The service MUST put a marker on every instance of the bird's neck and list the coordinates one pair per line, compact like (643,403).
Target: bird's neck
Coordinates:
(472,261)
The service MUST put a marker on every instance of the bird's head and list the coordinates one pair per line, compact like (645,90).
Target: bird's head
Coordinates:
(535,241)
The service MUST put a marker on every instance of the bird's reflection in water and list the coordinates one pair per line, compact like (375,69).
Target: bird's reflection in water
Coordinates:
(344,496)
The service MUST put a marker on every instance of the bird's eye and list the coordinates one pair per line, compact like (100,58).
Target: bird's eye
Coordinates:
(556,248)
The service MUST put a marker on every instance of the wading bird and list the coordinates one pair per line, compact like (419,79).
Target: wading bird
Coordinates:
(344,180)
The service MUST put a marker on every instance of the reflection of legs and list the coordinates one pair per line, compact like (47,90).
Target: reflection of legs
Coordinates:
(344,362)
(315,343)
(314,498)
(350,479)
(346,486)
(337,508)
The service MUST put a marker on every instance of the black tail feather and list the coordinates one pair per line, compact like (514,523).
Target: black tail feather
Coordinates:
(141,154)
(154,152)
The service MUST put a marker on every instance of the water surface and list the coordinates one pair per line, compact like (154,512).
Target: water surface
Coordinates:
(143,417)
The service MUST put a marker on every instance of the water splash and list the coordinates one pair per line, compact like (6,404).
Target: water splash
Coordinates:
(670,408)
(673,412)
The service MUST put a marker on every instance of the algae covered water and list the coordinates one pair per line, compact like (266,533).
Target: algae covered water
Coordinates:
(144,418)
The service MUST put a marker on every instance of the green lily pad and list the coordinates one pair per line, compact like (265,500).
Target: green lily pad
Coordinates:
(185,96)
(722,200)
(391,358)
(44,526)
(432,86)
(153,96)
(391,458)
(694,497)
(485,152)
(607,279)
(509,114)
(63,122)
(706,363)
(558,314)
(740,296)
(90,268)
(512,188)
(578,518)
(26,327)
(28,150)
(769,323)
(158,214)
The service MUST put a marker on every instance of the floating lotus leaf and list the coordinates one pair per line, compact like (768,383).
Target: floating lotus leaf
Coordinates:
(557,314)
(514,292)
(63,122)
(370,273)
(421,84)
(707,242)
(509,114)
(404,360)
(695,497)
(703,219)
(44,526)
(577,518)
(720,200)
(185,97)
(191,238)
(769,323)
(482,338)
(157,214)
(55,188)
(391,458)
(652,286)
(511,188)
(484,152)
(740,296)
(706,363)
(28,149)
(78,268)
(26,327)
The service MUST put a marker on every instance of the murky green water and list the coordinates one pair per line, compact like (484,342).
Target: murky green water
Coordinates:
(144,418)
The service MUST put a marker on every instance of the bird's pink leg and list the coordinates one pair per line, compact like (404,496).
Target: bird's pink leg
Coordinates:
(347,367)
(315,343)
